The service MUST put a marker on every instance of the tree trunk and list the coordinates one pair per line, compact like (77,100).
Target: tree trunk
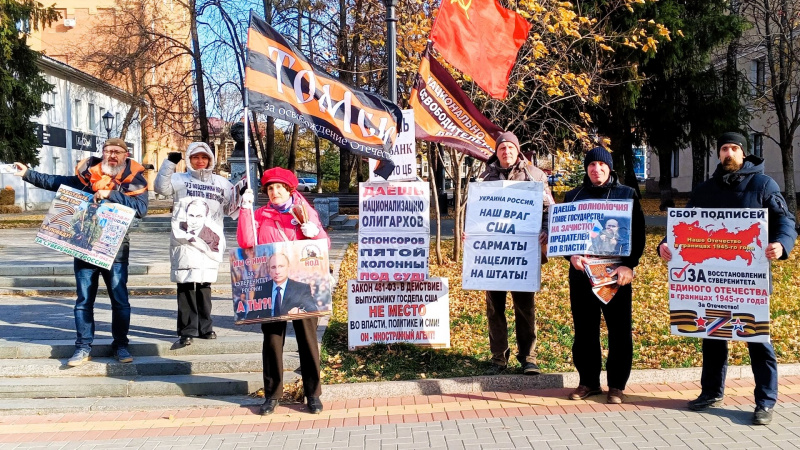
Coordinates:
(699,152)
(787,158)
(318,154)
(438,215)
(269,157)
(291,163)
(665,178)
(198,72)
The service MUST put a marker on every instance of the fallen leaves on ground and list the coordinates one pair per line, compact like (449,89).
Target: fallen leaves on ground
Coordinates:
(654,346)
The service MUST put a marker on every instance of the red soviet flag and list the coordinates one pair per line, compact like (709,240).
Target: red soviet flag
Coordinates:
(481,39)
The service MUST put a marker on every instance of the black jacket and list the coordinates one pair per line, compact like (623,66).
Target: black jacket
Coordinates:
(748,187)
(612,190)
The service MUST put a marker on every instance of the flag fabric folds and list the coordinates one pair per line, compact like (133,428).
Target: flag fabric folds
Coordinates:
(443,112)
(481,39)
(282,83)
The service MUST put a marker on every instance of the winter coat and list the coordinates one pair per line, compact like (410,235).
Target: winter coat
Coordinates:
(613,190)
(522,170)
(201,200)
(749,187)
(274,226)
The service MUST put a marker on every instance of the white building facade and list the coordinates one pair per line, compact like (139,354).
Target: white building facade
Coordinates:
(72,129)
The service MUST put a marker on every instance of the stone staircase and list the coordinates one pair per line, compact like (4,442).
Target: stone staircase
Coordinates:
(37,337)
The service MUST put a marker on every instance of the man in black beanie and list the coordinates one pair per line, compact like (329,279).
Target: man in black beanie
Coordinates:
(740,182)
(508,164)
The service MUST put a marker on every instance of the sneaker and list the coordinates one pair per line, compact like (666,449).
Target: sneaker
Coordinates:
(80,356)
(705,401)
(615,396)
(762,415)
(209,335)
(531,368)
(581,392)
(495,369)
(123,355)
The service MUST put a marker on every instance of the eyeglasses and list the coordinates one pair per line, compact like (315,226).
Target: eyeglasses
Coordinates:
(110,153)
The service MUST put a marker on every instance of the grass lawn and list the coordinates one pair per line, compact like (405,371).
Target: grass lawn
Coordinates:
(654,346)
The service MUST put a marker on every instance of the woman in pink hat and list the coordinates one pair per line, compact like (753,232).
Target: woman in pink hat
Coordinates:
(276,222)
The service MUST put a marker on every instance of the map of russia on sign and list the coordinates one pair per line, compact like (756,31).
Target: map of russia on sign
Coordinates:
(697,235)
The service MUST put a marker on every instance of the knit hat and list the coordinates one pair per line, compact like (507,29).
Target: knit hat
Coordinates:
(279,175)
(506,136)
(115,141)
(598,154)
(731,138)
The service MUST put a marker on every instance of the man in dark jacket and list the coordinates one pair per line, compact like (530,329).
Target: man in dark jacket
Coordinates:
(601,183)
(117,179)
(740,182)
(508,164)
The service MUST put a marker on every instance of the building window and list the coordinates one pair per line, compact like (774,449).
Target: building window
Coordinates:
(757,141)
(92,119)
(676,163)
(77,115)
(760,75)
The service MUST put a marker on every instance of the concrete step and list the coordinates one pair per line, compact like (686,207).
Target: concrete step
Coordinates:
(142,366)
(224,290)
(344,223)
(223,278)
(240,383)
(101,348)
(59,269)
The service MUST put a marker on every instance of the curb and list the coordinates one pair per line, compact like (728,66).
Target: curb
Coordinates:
(384,389)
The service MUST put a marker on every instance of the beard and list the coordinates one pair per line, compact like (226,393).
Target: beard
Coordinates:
(112,171)
(731,165)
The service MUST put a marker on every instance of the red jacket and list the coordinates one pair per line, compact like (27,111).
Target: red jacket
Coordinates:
(270,222)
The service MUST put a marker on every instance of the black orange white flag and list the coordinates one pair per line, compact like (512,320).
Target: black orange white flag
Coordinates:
(282,83)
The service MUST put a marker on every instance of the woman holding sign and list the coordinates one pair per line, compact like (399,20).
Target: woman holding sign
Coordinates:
(287,217)
(601,183)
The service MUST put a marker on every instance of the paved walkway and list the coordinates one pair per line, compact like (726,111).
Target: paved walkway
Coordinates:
(653,416)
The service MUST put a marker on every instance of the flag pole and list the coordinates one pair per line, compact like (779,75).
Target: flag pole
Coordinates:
(391,47)
(246,99)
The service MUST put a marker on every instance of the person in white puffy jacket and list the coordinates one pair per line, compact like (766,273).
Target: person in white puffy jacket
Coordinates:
(197,244)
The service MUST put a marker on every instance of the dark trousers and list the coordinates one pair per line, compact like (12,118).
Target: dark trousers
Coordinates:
(586,349)
(272,356)
(762,360)
(524,320)
(194,309)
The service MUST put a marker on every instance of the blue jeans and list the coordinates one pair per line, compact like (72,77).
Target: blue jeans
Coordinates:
(87,277)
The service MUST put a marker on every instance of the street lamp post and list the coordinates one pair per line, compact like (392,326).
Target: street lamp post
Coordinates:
(391,47)
(108,122)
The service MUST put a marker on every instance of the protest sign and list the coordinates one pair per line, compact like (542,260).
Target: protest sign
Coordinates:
(719,273)
(415,312)
(280,281)
(404,153)
(590,227)
(394,231)
(502,226)
(79,227)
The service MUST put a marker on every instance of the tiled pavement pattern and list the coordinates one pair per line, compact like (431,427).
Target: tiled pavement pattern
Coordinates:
(654,416)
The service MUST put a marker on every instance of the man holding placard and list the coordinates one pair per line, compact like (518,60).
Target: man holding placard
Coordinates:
(594,220)
(117,179)
(507,164)
(739,182)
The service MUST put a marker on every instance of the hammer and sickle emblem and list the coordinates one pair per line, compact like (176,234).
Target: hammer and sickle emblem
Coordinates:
(463,4)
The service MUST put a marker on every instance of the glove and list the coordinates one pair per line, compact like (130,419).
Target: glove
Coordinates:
(309,229)
(247,199)
(174,157)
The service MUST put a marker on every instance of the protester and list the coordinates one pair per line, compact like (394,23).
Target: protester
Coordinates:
(739,182)
(508,164)
(117,179)
(275,222)
(197,243)
(602,183)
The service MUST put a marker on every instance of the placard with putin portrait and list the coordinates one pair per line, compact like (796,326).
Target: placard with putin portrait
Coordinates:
(590,227)
(281,281)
